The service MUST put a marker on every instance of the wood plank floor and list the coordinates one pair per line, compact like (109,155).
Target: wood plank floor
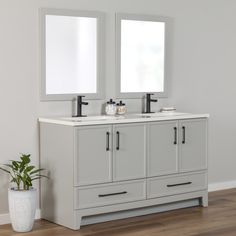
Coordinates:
(218,219)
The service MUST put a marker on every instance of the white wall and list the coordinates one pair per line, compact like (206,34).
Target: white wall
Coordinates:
(203,72)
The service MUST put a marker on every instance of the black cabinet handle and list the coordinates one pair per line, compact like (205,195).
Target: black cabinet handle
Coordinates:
(112,194)
(174,185)
(117,140)
(175,135)
(183,129)
(108,141)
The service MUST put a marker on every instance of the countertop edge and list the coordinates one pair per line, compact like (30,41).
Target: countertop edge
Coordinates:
(54,120)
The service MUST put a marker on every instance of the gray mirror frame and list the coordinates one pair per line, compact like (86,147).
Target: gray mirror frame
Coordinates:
(168,22)
(100,54)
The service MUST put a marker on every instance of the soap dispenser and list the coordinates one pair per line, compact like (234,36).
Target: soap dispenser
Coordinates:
(110,108)
(121,108)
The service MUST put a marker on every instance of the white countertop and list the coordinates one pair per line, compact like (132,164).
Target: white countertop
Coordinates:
(129,118)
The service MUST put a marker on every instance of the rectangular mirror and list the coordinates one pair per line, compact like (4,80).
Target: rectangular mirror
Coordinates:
(141,55)
(72,50)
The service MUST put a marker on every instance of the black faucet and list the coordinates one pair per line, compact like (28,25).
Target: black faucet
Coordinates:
(148,102)
(79,106)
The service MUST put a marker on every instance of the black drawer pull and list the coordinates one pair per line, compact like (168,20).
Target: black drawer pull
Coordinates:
(174,185)
(108,141)
(183,141)
(175,135)
(117,140)
(111,194)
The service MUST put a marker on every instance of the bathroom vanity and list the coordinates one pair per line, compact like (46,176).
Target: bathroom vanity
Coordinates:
(107,167)
(103,165)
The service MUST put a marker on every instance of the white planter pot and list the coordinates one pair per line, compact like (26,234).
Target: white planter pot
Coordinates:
(22,207)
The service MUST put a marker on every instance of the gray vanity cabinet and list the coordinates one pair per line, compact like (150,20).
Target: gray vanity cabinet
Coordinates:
(93,160)
(193,145)
(162,141)
(123,165)
(129,156)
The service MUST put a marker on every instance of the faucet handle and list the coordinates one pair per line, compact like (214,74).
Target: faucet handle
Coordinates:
(80,98)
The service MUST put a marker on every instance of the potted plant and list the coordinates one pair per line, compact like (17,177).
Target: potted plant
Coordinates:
(22,198)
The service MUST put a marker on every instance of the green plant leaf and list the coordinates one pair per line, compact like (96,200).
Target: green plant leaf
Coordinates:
(5,170)
(29,182)
(22,166)
(28,169)
(36,171)
(8,165)
(15,165)
(25,158)
(22,174)
(41,176)
(36,178)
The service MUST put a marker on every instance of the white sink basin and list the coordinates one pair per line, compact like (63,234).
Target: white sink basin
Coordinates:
(160,114)
(91,118)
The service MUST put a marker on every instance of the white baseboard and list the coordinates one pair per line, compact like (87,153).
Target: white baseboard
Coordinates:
(221,186)
(5,218)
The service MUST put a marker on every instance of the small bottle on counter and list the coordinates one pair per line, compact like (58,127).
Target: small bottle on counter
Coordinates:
(110,108)
(121,108)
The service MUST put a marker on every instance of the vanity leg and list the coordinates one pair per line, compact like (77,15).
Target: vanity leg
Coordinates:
(204,200)
(77,224)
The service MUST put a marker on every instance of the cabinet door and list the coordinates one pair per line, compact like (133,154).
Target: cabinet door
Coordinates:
(129,158)
(93,161)
(162,148)
(193,145)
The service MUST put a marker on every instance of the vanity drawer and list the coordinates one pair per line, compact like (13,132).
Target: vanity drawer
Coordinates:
(184,183)
(108,194)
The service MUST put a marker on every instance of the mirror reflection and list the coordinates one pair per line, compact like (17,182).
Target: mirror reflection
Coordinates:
(71,54)
(141,54)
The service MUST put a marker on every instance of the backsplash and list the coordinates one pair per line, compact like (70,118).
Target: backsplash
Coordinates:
(96,107)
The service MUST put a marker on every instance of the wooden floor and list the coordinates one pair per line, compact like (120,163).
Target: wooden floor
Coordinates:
(218,219)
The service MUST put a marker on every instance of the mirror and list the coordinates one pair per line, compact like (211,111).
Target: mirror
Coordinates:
(141,55)
(72,48)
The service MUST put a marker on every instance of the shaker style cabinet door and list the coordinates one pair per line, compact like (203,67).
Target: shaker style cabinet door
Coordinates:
(162,148)
(193,145)
(129,156)
(93,155)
